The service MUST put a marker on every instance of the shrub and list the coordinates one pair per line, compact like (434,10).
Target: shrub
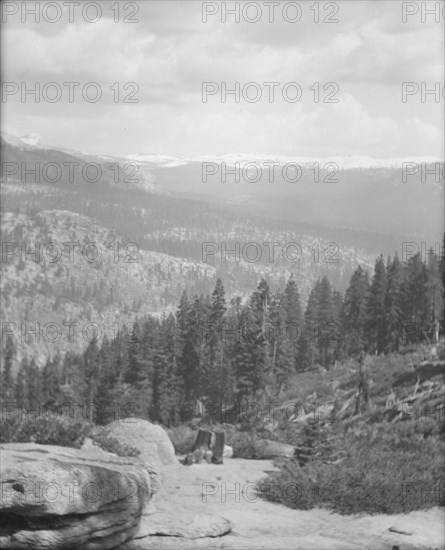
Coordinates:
(183,438)
(53,429)
(47,429)
(384,472)
(242,444)
(102,439)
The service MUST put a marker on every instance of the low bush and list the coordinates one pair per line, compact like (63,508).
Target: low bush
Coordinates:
(183,438)
(242,444)
(385,472)
(55,429)
(46,429)
(102,439)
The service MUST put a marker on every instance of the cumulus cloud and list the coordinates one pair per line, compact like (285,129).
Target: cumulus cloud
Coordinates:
(170,52)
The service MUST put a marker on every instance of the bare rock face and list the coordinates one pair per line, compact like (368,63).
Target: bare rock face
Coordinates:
(58,497)
(266,449)
(150,439)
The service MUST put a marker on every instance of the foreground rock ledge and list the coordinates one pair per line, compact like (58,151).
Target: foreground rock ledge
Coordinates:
(187,526)
(57,497)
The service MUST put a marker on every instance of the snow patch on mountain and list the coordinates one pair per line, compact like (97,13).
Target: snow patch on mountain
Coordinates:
(344,163)
(24,143)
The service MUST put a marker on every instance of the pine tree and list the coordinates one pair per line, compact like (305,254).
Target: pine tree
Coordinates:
(416,302)
(33,383)
(294,321)
(104,398)
(353,312)
(167,398)
(7,381)
(188,356)
(90,371)
(394,303)
(434,293)
(215,360)
(280,347)
(243,355)
(251,355)
(20,390)
(442,267)
(335,334)
(309,350)
(257,334)
(51,383)
(375,325)
(326,322)
(134,372)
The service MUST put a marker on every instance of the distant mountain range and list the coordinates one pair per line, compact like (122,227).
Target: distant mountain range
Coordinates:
(344,163)
(162,204)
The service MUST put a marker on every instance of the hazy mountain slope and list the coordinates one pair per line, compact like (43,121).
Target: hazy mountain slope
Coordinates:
(170,234)
(102,283)
(370,199)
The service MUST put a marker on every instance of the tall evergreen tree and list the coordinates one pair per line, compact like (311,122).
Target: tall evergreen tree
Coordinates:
(280,345)
(7,381)
(353,314)
(335,333)
(20,389)
(33,383)
(167,395)
(435,284)
(218,386)
(90,372)
(394,303)
(375,309)
(188,358)
(107,408)
(252,366)
(309,350)
(51,384)
(261,349)
(326,322)
(294,321)
(416,303)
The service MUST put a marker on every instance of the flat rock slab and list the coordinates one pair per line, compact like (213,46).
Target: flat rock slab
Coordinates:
(183,525)
(228,491)
(234,542)
(58,497)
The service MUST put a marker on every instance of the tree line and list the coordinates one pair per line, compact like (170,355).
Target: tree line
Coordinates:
(219,351)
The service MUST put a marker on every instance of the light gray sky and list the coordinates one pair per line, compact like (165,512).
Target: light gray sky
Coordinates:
(170,52)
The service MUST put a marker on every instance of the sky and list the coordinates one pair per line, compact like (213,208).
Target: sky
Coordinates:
(359,53)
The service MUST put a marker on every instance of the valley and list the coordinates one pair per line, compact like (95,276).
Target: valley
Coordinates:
(177,234)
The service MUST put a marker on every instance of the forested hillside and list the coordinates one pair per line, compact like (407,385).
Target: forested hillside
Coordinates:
(164,244)
(222,351)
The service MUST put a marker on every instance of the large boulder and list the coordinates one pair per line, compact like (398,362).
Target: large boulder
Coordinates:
(58,497)
(150,439)
(267,449)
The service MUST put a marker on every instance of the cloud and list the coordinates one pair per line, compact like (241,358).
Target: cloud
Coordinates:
(171,52)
